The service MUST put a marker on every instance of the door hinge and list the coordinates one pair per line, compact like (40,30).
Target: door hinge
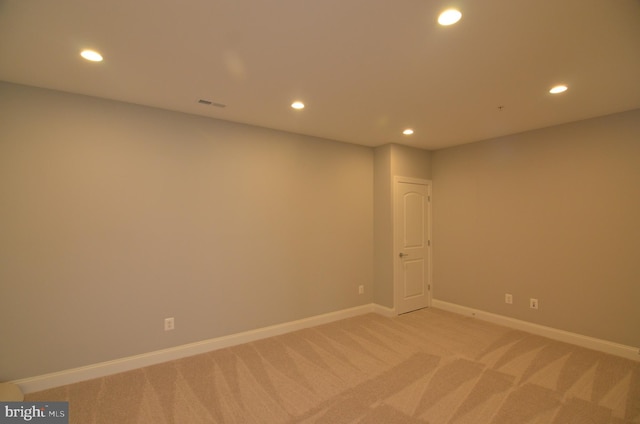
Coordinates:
(428,287)
(428,242)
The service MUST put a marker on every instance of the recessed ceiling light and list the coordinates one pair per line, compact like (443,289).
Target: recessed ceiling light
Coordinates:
(558,89)
(408,131)
(297,105)
(91,55)
(449,17)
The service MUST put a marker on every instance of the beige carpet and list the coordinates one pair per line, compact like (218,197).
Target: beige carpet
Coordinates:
(429,366)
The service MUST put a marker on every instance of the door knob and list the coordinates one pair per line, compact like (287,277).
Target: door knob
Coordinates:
(403,254)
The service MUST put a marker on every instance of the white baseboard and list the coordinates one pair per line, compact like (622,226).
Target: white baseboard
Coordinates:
(384,311)
(75,375)
(605,346)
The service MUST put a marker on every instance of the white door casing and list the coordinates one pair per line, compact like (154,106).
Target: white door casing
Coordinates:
(412,244)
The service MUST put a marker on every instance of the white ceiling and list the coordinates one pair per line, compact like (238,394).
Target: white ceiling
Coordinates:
(366,69)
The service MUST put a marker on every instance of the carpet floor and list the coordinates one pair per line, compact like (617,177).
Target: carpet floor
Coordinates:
(428,366)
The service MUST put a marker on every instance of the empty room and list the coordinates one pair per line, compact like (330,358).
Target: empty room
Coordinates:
(303,211)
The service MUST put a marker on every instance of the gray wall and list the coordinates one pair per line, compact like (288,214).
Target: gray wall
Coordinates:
(410,162)
(383,228)
(551,214)
(391,160)
(115,216)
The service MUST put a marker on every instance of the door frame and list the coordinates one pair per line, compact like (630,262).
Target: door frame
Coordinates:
(396,248)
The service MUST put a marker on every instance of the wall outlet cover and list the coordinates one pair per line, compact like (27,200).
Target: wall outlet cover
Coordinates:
(169,324)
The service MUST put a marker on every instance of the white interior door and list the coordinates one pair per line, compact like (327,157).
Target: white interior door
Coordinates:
(412,244)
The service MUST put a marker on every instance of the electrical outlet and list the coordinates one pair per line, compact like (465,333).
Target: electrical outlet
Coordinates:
(533,303)
(508,298)
(169,324)
(361,289)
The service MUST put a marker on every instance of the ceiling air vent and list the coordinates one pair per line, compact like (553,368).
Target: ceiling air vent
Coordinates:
(210,103)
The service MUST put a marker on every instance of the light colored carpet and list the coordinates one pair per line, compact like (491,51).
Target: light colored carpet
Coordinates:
(428,366)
